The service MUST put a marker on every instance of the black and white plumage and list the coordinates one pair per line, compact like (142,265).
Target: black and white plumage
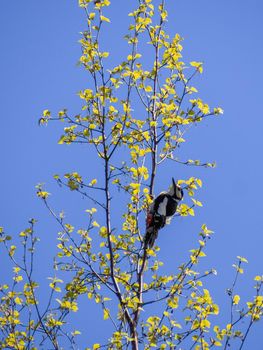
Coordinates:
(161,212)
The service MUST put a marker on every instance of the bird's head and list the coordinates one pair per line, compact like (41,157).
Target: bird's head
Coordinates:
(176,191)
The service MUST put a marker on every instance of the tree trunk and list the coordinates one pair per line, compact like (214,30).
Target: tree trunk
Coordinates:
(135,345)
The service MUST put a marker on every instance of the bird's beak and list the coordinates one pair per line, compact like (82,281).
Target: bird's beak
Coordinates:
(178,192)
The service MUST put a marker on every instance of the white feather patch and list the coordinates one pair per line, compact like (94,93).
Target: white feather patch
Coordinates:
(162,207)
(168,220)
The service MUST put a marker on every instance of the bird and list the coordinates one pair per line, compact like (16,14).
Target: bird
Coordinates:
(161,211)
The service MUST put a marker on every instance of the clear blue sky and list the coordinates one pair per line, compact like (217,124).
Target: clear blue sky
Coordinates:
(39,51)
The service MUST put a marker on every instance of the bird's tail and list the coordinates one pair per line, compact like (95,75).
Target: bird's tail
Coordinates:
(150,236)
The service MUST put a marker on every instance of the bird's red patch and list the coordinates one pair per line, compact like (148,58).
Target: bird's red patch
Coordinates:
(149,219)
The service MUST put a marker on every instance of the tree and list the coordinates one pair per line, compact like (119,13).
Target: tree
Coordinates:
(134,120)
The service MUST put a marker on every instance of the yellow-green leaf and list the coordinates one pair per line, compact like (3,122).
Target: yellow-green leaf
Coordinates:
(104,19)
(236,299)
(106,314)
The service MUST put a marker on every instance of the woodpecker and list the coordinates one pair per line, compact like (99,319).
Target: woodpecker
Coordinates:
(161,212)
